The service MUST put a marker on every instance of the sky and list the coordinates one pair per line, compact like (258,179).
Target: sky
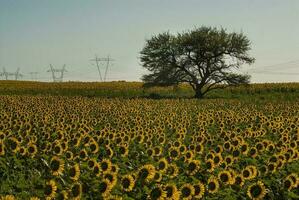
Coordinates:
(35,34)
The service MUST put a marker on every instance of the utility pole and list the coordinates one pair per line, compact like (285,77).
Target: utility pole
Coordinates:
(107,62)
(59,77)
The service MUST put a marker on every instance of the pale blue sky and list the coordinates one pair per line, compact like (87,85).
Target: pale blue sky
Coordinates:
(35,33)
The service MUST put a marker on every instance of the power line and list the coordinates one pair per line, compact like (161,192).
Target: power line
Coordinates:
(279,65)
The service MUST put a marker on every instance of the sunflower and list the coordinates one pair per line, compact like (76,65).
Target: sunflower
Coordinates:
(199,190)
(93,147)
(76,191)
(162,165)
(123,150)
(189,155)
(91,163)
(97,169)
(83,155)
(32,150)
(150,152)
(219,149)
(22,151)
(2,151)
(158,177)
(294,178)
(8,197)
(56,165)
(210,166)
(217,159)
(239,180)
(187,191)
(105,165)
(291,181)
(111,177)
(225,177)
(256,191)
(114,168)
(193,167)
(103,188)
(288,184)
(229,160)
(246,174)
(199,148)
(127,183)
(57,148)
(172,170)
(50,189)
(157,193)
(253,152)
(270,147)
(63,195)
(174,153)
(271,167)
(109,151)
(244,148)
(254,171)
(227,146)
(146,172)
(212,185)
(157,150)
(172,192)
(13,144)
(74,172)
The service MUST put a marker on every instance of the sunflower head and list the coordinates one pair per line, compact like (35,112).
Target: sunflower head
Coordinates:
(172,192)
(146,172)
(50,189)
(105,165)
(103,188)
(193,166)
(187,191)
(56,165)
(199,190)
(162,165)
(225,177)
(74,172)
(212,185)
(157,193)
(127,183)
(256,190)
(76,191)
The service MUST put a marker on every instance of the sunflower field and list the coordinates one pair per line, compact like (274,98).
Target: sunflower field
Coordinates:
(75,147)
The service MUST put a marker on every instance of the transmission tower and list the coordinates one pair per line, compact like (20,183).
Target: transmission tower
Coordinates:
(107,62)
(60,72)
(16,74)
(33,75)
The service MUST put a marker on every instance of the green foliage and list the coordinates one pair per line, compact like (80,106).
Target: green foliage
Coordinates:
(203,57)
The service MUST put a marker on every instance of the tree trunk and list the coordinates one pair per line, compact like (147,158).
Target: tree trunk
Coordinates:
(198,93)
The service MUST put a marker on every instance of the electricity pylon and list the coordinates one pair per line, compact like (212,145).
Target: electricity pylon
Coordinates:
(57,78)
(107,62)
(16,74)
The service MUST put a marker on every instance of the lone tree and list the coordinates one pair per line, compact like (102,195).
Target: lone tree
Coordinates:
(205,57)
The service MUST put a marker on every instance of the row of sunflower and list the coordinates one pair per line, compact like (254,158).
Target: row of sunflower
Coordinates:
(90,148)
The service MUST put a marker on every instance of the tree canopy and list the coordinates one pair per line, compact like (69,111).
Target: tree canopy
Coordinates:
(205,57)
